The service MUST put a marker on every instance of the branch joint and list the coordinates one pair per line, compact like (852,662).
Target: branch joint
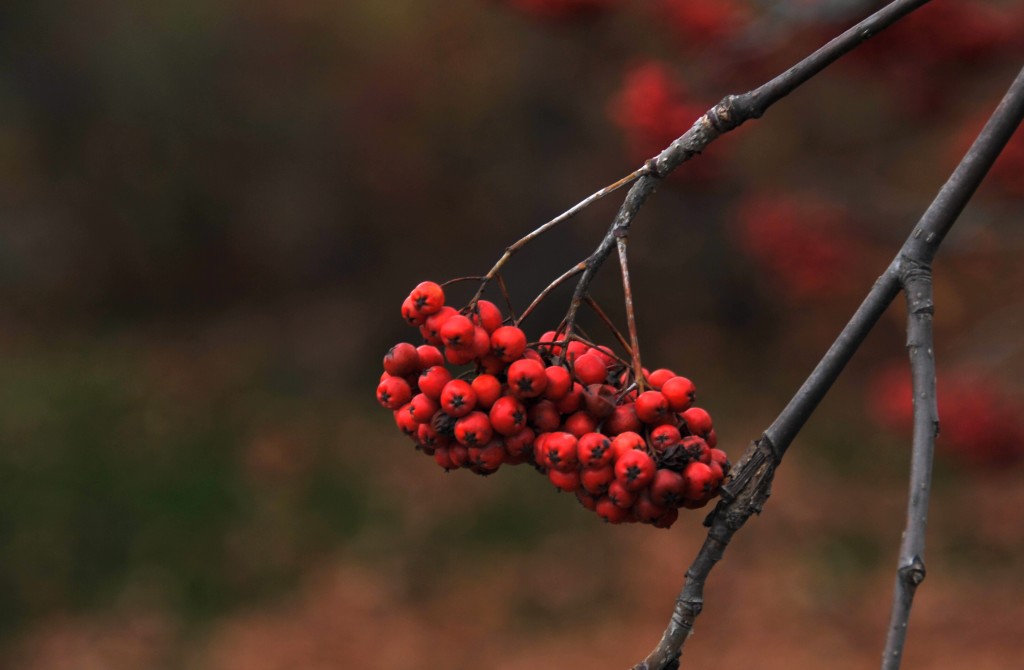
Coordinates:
(914,572)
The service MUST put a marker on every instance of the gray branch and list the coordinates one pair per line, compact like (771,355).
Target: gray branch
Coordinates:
(750,482)
(730,113)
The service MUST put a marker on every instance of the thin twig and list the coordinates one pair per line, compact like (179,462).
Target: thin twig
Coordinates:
(571,272)
(504,293)
(634,341)
(564,216)
(592,304)
(730,113)
(750,481)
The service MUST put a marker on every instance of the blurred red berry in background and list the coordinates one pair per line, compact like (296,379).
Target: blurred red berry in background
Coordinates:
(802,243)
(704,21)
(652,108)
(979,420)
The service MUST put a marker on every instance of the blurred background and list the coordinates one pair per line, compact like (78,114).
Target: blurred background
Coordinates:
(211,211)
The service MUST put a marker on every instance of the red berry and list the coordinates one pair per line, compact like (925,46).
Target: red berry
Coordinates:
(540,450)
(700,481)
(474,429)
(561,451)
(665,436)
(574,350)
(646,510)
(668,488)
(544,417)
(550,349)
(599,400)
(422,407)
(587,500)
(520,445)
(459,455)
(594,450)
(442,455)
(428,297)
(431,328)
(580,423)
(401,360)
(559,382)
(696,448)
(429,356)
(565,480)
(610,511)
(459,356)
(635,469)
(488,458)
(596,480)
(667,519)
(572,401)
(720,457)
(680,393)
(508,343)
(490,365)
(457,332)
(652,408)
(697,421)
(626,442)
(623,419)
(526,378)
(405,421)
(620,495)
(507,415)
(534,356)
(432,381)
(393,392)
(481,342)
(657,378)
(487,389)
(429,438)
(606,355)
(590,369)
(486,315)
(717,475)
(412,316)
(711,438)
(458,398)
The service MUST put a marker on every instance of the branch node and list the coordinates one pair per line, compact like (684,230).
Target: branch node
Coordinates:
(914,572)
(721,117)
(651,169)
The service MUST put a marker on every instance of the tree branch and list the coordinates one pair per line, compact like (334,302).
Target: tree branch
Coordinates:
(730,113)
(917,287)
(750,481)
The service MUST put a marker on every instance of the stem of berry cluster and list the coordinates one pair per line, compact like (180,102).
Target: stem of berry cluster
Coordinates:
(561,218)
(634,341)
(749,485)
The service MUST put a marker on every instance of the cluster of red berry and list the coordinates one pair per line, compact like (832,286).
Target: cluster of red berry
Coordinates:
(630,452)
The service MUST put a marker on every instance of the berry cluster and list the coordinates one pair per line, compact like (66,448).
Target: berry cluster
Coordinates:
(629,451)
